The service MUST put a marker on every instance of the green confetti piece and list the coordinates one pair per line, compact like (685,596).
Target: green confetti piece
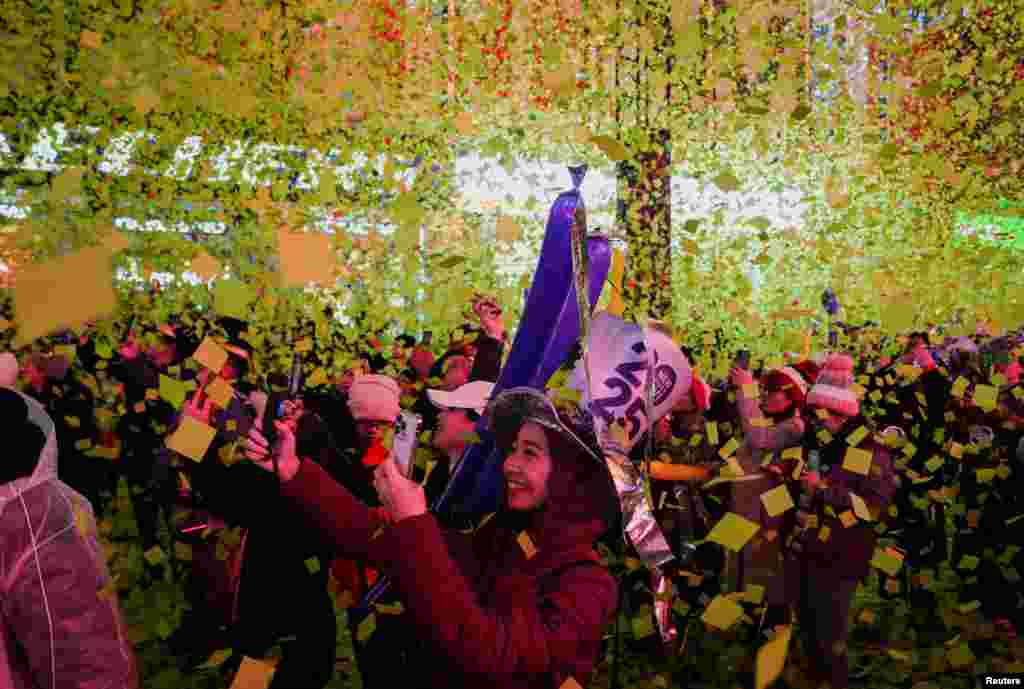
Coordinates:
(969,563)
(643,623)
(313,565)
(154,555)
(886,562)
(172,391)
(217,658)
(366,628)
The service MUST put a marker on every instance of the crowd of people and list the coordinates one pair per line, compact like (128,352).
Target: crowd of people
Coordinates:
(824,455)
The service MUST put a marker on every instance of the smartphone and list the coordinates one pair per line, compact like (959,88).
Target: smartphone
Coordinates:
(743,359)
(404,441)
(428,337)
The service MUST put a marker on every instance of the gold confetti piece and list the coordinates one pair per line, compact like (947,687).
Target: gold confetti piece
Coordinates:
(729,448)
(857,436)
(886,561)
(643,623)
(526,543)
(183,552)
(305,258)
(570,683)
(848,519)
(69,352)
(777,501)
(82,521)
(959,387)
(986,396)
(771,658)
(253,674)
(217,658)
(507,230)
(857,460)
(860,508)
(205,266)
(754,594)
(192,439)
(64,292)
(154,555)
(220,391)
(211,355)
(711,429)
(90,39)
(732,465)
(395,609)
(722,613)
(733,531)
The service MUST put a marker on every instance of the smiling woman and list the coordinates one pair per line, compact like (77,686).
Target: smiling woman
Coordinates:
(522,601)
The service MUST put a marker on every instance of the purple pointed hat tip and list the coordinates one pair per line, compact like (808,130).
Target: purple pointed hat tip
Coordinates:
(577,172)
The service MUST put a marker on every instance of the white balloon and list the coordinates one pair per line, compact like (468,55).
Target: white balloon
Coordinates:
(621,358)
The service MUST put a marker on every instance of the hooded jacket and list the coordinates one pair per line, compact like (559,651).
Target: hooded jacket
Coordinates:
(480,612)
(59,631)
(846,552)
(763,440)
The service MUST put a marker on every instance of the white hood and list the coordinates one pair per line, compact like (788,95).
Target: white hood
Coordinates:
(46,467)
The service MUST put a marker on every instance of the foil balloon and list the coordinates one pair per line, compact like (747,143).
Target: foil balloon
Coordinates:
(628,378)
(549,328)
(829,302)
(547,331)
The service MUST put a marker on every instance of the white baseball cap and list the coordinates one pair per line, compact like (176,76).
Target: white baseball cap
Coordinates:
(472,396)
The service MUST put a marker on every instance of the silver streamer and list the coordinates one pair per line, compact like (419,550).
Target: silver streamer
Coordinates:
(639,524)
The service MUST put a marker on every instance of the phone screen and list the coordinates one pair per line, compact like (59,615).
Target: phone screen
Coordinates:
(428,337)
(743,360)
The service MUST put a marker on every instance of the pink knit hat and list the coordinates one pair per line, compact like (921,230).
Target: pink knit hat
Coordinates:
(8,370)
(374,398)
(421,361)
(832,388)
(788,379)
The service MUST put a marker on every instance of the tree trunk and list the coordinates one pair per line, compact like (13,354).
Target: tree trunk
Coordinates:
(645,216)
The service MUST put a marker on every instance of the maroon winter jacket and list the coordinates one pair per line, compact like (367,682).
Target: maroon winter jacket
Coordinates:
(847,552)
(481,613)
